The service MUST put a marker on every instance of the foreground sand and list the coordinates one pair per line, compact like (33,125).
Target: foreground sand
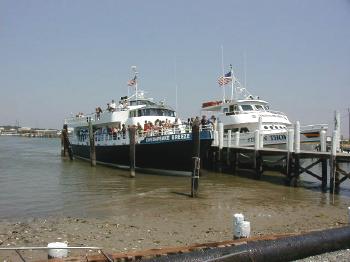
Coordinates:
(156,228)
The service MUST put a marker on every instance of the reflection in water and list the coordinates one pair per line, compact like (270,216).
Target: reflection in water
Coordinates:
(36,181)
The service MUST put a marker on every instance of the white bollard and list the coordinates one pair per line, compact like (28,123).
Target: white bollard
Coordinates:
(237,225)
(57,252)
(221,135)
(245,229)
(256,139)
(216,138)
(261,140)
(297,137)
(229,138)
(237,138)
(323,141)
(290,140)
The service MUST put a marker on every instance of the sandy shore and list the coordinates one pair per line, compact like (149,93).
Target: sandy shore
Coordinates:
(170,226)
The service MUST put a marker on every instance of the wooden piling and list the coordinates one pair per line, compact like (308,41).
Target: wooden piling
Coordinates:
(333,163)
(132,147)
(229,141)
(92,144)
(66,143)
(195,159)
(324,174)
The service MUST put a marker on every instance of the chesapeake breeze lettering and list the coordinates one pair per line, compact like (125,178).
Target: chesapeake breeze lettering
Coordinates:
(168,138)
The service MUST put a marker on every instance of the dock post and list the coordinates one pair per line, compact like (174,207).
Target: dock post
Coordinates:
(66,143)
(132,147)
(236,154)
(337,128)
(221,145)
(324,160)
(256,139)
(290,156)
(237,138)
(63,143)
(229,141)
(297,137)
(195,159)
(332,164)
(92,144)
(261,136)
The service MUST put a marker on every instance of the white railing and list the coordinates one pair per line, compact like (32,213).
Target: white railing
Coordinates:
(120,138)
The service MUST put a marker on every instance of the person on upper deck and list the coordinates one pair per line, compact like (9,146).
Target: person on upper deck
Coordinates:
(112,106)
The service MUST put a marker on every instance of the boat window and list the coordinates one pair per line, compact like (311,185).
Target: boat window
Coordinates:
(276,127)
(133,113)
(244,130)
(266,107)
(247,107)
(259,107)
(155,112)
(266,127)
(235,130)
(271,127)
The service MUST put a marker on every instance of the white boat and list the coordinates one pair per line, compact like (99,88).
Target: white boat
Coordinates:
(164,145)
(245,113)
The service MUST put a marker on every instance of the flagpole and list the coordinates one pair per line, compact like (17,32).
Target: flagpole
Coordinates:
(175,73)
(231,82)
(223,72)
(136,80)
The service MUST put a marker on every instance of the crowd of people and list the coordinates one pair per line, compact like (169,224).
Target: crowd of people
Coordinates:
(148,128)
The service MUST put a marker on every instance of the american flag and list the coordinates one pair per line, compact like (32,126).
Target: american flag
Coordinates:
(224,80)
(132,81)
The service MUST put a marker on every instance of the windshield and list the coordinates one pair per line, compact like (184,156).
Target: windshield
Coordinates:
(247,107)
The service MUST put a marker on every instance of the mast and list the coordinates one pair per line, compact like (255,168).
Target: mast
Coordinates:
(223,72)
(232,87)
(135,78)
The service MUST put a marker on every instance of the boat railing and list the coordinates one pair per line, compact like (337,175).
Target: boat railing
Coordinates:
(315,127)
(140,134)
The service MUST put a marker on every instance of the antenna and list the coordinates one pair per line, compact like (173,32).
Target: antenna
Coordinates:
(223,72)
(245,68)
(134,69)
(175,76)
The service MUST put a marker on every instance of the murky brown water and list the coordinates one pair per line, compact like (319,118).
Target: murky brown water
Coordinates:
(36,181)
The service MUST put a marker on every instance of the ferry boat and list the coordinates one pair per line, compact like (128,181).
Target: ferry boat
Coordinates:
(245,113)
(163,143)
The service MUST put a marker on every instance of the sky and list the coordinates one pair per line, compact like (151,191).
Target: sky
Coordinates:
(63,57)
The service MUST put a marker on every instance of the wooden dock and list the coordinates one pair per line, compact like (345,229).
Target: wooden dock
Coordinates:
(226,155)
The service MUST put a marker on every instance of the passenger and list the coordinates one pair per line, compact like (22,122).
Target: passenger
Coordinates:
(139,128)
(213,122)
(123,131)
(204,121)
(112,106)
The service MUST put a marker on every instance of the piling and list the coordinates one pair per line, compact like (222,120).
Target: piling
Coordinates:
(297,137)
(195,159)
(323,148)
(92,144)
(337,128)
(132,149)
(333,181)
(229,142)
(66,143)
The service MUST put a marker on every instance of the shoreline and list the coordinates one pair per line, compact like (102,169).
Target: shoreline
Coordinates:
(150,229)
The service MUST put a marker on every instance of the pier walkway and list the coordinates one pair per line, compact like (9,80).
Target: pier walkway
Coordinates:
(227,154)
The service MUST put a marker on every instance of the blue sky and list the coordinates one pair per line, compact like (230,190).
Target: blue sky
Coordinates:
(58,57)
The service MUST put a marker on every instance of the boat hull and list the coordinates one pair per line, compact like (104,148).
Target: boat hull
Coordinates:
(170,155)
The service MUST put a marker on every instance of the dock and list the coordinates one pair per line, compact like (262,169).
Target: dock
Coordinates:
(227,155)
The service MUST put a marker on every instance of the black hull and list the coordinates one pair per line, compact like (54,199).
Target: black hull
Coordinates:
(172,156)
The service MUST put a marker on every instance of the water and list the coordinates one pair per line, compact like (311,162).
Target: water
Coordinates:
(36,182)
